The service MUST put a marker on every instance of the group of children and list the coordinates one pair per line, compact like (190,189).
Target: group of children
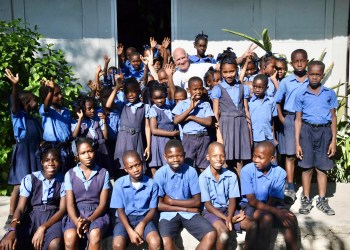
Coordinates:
(233,121)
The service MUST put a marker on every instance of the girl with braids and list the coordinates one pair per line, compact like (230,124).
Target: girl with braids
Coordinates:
(28,133)
(230,105)
(268,68)
(200,44)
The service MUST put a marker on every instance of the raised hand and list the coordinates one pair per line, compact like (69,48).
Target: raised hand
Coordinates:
(92,85)
(80,114)
(107,59)
(169,69)
(120,49)
(98,69)
(152,42)
(14,79)
(194,102)
(166,42)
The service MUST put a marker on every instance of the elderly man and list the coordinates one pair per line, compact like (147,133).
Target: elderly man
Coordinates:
(186,70)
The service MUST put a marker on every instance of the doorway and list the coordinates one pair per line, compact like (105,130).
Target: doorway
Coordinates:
(138,20)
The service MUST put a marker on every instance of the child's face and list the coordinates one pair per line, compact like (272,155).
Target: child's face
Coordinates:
(133,166)
(250,69)
(132,95)
(158,98)
(136,62)
(57,98)
(51,163)
(228,72)
(270,68)
(89,110)
(175,157)
(196,89)
(179,96)
(162,77)
(299,62)
(315,75)
(216,157)
(259,88)
(128,53)
(281,69)
(31,104)
(157,65)
(213,80)
(86,155)
(201,47)
(262,158)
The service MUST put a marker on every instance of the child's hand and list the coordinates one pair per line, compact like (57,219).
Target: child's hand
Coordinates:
(135,238)
(193,210)
(176,133)
(169,69)
(120,49)
(80,114)
(194,102)
(38,238)
(228,223)
(332,149)
(147,153)
(139,229)
(50,84)
(274,76)
(145,60)
(286,217)
(152,42)
(239,217)
(98,70)
(92,85)
(9,242)
(80,230)
(299,152)
(107,59)
(250,50)
(118,79)
(166,42)
(102,116)
(168,200)
(14,79)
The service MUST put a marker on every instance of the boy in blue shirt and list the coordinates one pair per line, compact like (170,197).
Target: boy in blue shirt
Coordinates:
(180,199)
(219,190)
(287,91)
(195,116)
(262,186)
(315,135)
(135,197)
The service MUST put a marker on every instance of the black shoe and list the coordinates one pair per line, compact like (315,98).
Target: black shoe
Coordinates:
(322,204)
(8,222)
(290,196)
(306,205)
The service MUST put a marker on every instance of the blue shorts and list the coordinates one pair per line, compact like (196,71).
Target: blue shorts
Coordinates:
(249,210)
(314,142)
(197,226)
(289,134)
(134,220)
(212,218)
(196,148)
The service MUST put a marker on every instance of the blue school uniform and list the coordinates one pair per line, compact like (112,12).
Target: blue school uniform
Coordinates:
(43,202)
(271,90)
(130,71)
(250,78)
(195,59)
(218,192)
(261,113)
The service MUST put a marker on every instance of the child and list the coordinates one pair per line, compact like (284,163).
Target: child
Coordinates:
(87,189)
(162,126)
(230,104)
(195,116)
(28,133)
(136,69)
(211,79)
(262,186)
(287,91)
(262,109)
(41,206)
(179,200)
(134,123)
(250,68)
(315,135)
(135,197)
(268,67)
(179,95)
(219,190)
(200,44)
(281,68)
(56,121)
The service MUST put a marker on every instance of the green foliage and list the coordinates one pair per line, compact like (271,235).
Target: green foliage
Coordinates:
(22,52)
(265,44)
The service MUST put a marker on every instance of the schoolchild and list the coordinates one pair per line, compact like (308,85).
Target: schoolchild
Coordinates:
(315,135)
(262,189)
(92,126)
(87,189)
(195,116)
(162,126)
(179,95)
(268,67)
(262,109)
(287,92)
(230,105)
(135,197)
(200,44)
(219,190)
(125,64)
(137,68)
(28,134)
(250,68)
(56,121)
(211,78)
(281,68)
(41,206)
(134,124)
(179,200)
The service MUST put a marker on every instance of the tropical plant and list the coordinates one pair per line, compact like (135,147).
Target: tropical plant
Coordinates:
(22,52)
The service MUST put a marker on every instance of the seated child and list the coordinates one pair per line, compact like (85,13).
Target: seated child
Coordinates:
(179,200)
(135,197)
(195,116)
(262,187)
(315,135)
(219,190)
(41,206)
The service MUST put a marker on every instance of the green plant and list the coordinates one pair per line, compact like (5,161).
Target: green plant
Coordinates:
(22,52)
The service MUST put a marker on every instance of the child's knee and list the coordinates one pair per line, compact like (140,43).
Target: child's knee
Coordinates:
(95,236)
(167,242)
(119,242)
(70,238)
(266,220)
(56,244)
(154,242)
(223,235)
(211,236)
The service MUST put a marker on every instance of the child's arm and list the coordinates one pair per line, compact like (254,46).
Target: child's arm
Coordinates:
(76,130)
(166,204)
(169,69)
(147,152)
(117,87)
(274,79)
(205,121)
(280,113)
(104,128)
(165,44)
(15,102)
(48,99)
(134,236)
(149,61)
(180,118)
(71,209)
(107,59)
(140,228)
(299,151)
(120,50)
(92,86)
(98,73)
(160,132)
(249,121)
(216,109)
(333,146)
(244,69)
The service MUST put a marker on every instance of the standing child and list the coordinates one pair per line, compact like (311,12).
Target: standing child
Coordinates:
(268,67)
(195,116)
(262,186)
(287,91)
(87,189)
(135,197)
(230,104)
(281,68)
(315,135)
(179,200)
(219,190)
(211,79)
(162,126)
(41,206)
(200,44)
(28,133)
